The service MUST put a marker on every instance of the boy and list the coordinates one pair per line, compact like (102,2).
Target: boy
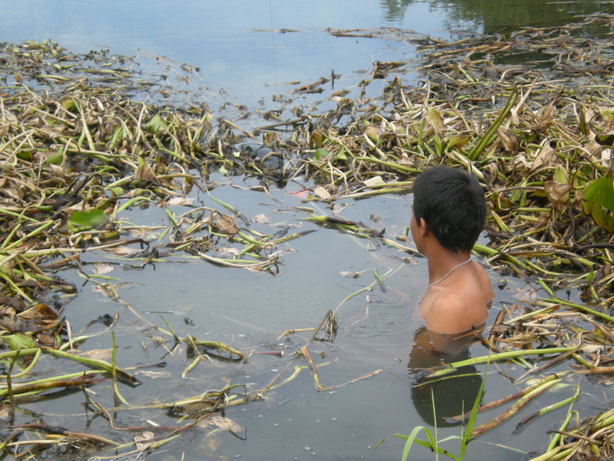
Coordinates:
(448,215)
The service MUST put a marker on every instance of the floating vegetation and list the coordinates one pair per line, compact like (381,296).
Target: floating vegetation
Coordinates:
(77,152)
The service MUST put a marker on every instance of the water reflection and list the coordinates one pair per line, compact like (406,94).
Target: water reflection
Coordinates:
(453,395)
(394,10)
(492,16)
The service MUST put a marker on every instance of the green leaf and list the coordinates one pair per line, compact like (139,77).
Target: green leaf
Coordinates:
(116,191)
(24,155)
(341,156)
(156,124)
(92,218)
(56,157)
(410,440)
(372,133)
(320,153)
(19,341)
(560,175)
(434,118)
(518,193)
(466,438)
(118,135)
(454,141)
(599,201)
(70,105)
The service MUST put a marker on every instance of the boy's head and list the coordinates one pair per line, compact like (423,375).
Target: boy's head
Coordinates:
(452,204)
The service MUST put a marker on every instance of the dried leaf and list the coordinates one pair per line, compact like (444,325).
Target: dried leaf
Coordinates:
(154,374)
(144,440)
(222,422)
(226,224)
(145,172)
(372,133)
(102,268)
(374,181)
(261,219)
(122,251)
(434,118)
(557,193)
(322,193)
(228,252)
(39,311)
(176,201)
(508,139)
(99,354)
(558,189)
(545,157)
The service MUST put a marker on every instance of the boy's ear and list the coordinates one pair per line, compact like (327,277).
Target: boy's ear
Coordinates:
(423,229)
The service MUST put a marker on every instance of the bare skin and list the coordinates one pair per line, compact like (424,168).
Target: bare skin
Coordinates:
(460,302)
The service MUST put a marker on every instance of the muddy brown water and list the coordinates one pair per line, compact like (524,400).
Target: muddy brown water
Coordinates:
(243,60)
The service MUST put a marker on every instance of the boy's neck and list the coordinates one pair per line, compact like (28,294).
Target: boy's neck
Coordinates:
(442,260)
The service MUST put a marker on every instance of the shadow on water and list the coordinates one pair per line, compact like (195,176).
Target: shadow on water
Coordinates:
(453,395)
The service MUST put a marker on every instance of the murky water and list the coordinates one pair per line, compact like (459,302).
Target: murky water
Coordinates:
(244,58)
(249,50)
(250,310)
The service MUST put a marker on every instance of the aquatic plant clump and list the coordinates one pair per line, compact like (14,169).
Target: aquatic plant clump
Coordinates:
(77,150)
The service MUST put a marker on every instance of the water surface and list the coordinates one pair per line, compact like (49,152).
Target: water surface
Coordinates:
(247,52)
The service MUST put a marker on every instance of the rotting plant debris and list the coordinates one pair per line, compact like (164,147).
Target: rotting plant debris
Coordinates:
(76,151)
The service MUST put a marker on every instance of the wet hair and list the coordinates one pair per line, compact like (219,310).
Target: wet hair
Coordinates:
(452,205)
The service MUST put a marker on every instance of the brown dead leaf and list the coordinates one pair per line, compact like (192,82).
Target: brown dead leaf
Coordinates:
(261,219)
(38,312)
(372,133)
(154,374)
(146,173)
(227,252)
(99,354)
(435,120)
(508,139)
(546,118)
(144,440)
(176,201)
(322,193)
(545,157)
(226,224)
(374,181)
(122,251)
(102,268)
(557,193)
(9,117)
(46,339)
(222,422)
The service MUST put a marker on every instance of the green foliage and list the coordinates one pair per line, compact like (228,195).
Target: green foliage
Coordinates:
(156,124)
(599,201)
(320,154)
(91,218)
(433,443)
(19,341)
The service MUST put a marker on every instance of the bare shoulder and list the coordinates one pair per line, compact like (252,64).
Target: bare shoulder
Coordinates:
(484,283)
(447,314)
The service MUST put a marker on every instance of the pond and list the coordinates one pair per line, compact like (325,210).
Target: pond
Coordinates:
(247,54)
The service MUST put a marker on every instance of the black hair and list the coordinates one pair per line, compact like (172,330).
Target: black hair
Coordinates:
(452,205)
